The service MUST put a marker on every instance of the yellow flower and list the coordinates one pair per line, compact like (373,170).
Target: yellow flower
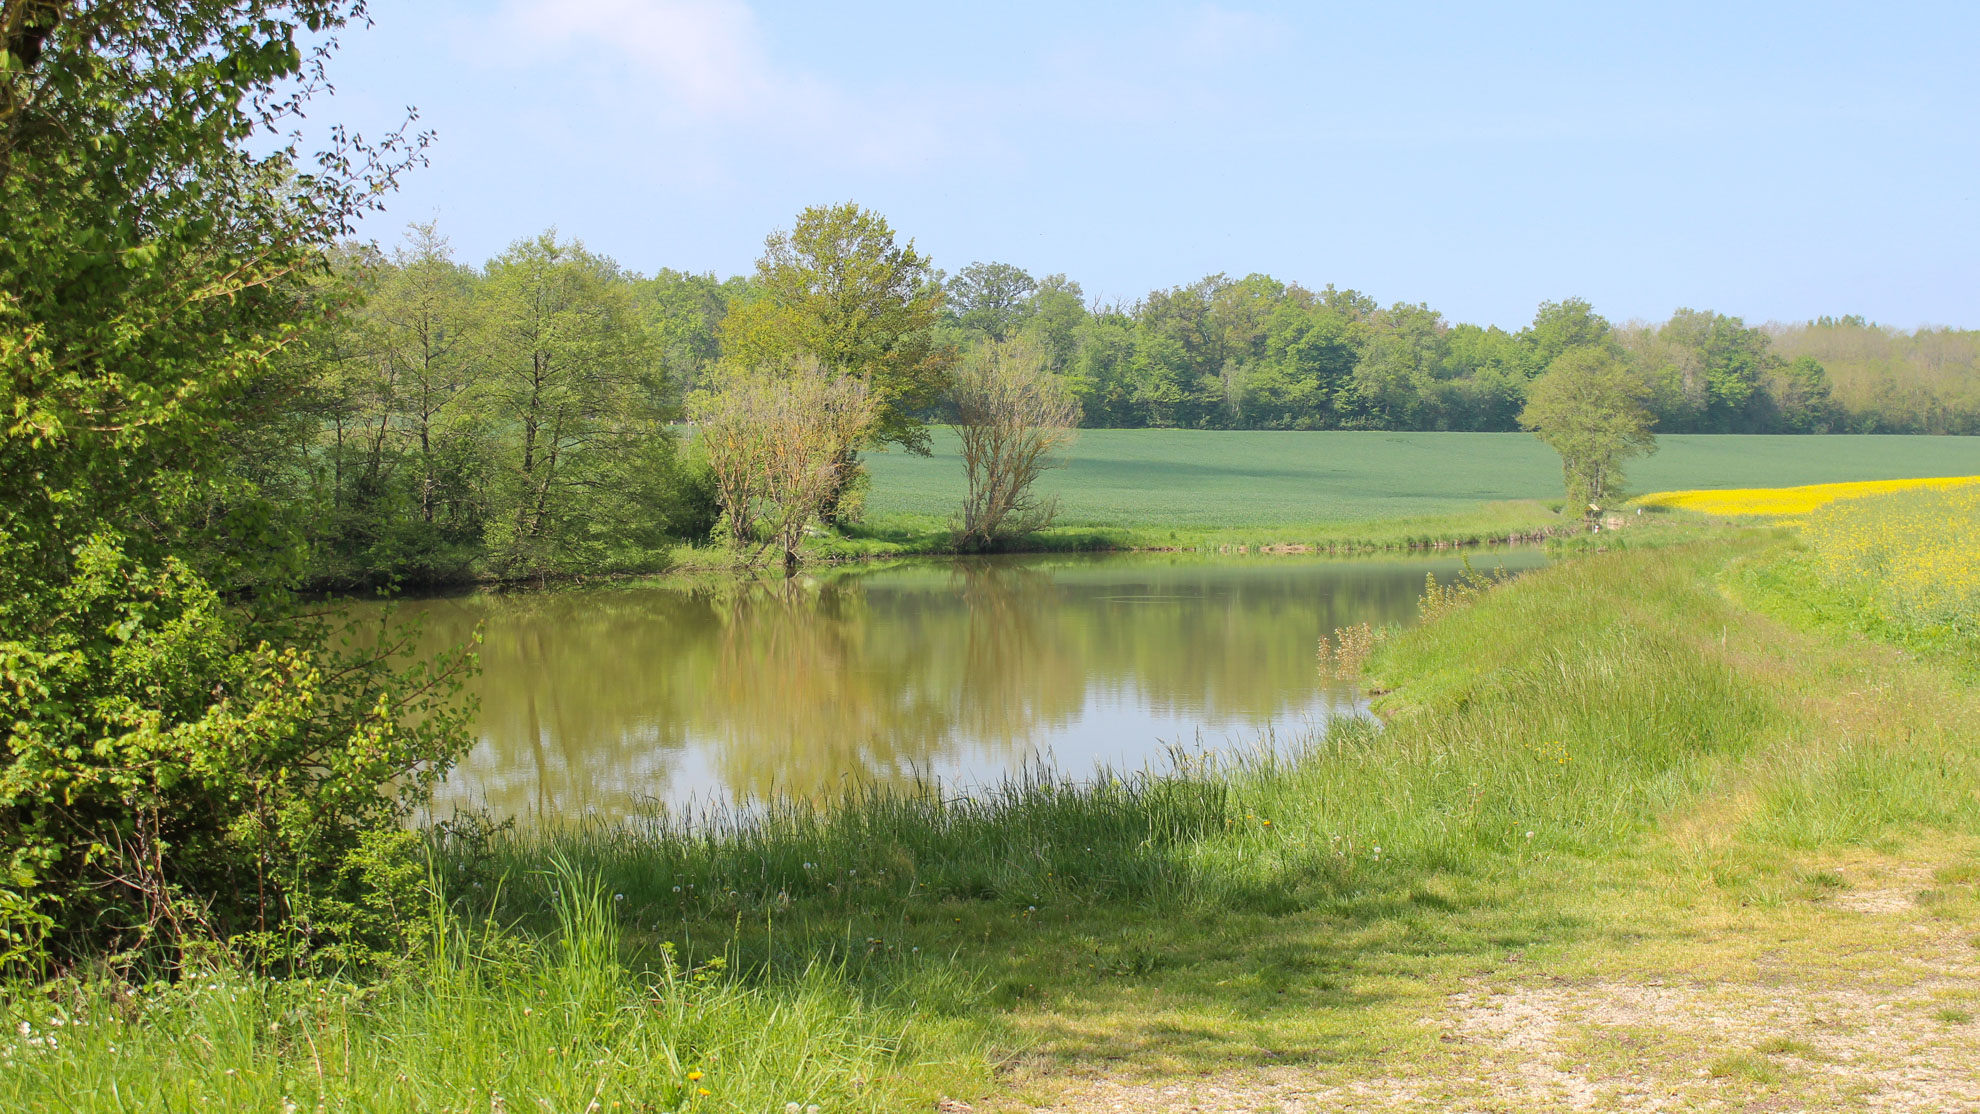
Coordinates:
(694,1076)
(1792,500)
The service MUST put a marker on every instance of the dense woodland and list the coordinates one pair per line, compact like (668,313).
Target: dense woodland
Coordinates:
(514,419)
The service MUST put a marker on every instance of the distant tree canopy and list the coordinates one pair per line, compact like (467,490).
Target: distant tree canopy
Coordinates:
(1258,353)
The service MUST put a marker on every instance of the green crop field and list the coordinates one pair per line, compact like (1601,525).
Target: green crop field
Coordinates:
(1217,479)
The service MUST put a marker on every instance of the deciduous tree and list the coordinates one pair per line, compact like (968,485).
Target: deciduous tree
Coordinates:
(775,436)
(1011,414)
(993,299)
(571,374)
(1590,409)
(837,287)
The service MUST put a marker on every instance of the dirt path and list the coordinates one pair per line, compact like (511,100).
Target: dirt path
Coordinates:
(1865,1000)
(1711,971)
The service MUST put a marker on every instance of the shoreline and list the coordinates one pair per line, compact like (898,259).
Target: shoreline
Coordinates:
(1426,539)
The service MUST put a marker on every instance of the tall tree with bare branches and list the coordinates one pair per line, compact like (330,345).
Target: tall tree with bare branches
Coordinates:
(1010,414)
(775,436)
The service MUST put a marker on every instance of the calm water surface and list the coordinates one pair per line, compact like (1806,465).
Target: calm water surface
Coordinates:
(603,701)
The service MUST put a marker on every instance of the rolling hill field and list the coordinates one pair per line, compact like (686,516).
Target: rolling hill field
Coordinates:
(1211,479)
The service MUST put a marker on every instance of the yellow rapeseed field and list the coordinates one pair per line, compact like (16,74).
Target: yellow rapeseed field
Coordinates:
(1916,554)
(1792,500)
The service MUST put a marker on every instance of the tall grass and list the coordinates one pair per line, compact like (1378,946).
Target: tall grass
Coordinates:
(489,1020)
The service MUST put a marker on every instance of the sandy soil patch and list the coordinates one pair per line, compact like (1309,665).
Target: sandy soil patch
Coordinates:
(1866,1015)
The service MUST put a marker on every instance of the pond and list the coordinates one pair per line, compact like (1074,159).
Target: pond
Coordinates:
(602,702)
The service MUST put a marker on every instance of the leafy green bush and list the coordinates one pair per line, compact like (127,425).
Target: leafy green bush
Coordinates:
(189,761)
(178,770)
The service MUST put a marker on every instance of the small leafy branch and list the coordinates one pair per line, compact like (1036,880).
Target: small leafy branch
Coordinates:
(1439,600)
(1343,654)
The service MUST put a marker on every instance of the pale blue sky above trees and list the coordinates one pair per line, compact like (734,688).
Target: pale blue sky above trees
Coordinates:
(1776,161)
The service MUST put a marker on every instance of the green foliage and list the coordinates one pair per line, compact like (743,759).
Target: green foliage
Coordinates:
(381,452)
(992,300)
(1707,371)
(508,421)
(1803,396)
(683,314)
(573,379)
(1885,380)
(183,767)
(1590,409)
(1258,353)
(1560,327)
(837,287)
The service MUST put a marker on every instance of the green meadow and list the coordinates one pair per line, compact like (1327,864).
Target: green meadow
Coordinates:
(1151,479)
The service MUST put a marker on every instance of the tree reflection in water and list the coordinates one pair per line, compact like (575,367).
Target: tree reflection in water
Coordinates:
(595,701)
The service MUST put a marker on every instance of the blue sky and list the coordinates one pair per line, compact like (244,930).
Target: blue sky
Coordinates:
(1776,161)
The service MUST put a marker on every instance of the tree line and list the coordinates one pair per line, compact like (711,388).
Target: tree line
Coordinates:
(1259,353)
(522,417)
(441,422)
(444,421)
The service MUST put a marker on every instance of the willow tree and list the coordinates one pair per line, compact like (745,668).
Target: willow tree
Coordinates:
(1010,415)
(775,436)
(1593,411)
(838,288)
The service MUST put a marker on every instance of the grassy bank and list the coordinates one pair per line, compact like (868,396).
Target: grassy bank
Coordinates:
(1484,524)
(881,536)
(1613,774)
